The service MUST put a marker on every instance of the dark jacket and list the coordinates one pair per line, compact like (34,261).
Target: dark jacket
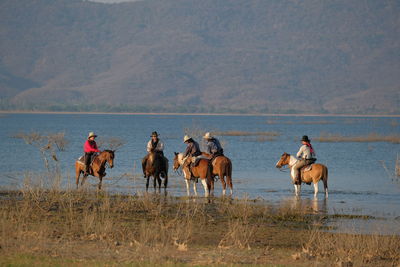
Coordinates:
(192,149)
(214,147)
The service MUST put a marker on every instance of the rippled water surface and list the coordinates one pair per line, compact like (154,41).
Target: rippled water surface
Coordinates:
(358,180)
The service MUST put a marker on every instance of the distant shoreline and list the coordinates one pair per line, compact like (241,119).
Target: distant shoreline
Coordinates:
(200,114)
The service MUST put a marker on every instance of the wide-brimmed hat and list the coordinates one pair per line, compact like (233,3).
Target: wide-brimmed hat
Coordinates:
(305,138)
(154,134)
(186,138)
(91,134)
(207,136)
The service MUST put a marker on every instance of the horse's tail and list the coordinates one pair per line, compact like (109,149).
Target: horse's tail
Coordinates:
(228,173)
(325,180)
(209,176)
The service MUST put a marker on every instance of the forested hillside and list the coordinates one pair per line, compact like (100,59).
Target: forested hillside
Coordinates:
(270,56)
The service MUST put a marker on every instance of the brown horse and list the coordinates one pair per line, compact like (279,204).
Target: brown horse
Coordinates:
(201,171)
(317,173)
(221,167)
(97,167)
(156,166)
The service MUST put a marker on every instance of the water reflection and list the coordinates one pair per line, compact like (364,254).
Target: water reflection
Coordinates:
(314,205)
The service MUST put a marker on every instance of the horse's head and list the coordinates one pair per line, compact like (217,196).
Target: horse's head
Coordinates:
(284,160)
(109,156)
(177,160)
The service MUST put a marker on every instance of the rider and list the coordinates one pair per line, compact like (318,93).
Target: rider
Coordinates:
(306,156)
(192,149)
(154,145)
(90,148)
(214,147)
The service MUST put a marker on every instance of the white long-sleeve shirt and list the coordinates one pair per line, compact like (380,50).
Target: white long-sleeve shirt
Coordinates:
(159,147)
(305,153)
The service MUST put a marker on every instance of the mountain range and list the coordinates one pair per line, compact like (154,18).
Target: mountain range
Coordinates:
(244,56)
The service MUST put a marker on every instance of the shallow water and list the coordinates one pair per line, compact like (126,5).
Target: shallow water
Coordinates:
(358,182)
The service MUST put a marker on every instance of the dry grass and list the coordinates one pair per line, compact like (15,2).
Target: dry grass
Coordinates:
(373,137)
(153,229)
(353,249)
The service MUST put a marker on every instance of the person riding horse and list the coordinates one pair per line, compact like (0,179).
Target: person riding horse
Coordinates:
(306,156)
(192,150)
(89,148)
(214,147)
(154,145)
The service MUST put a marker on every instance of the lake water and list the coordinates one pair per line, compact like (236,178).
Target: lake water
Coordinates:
(358,182)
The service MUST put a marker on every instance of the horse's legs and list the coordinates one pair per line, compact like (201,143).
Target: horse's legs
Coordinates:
(315,189)
(83,179)
(100,182)
(77,175)
(195,188)
(229,181)
(155,181)
(297,188)
(211,186)
(147,182)
(204,182)
(159,181)
(221,177)
(187,187)
(166,180)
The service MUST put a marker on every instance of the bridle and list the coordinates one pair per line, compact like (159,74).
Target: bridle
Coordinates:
(285,167)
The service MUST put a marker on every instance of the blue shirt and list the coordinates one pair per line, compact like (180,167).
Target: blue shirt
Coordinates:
(214,146)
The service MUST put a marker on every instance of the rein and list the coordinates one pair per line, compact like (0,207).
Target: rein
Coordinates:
(284,169)
(178,171)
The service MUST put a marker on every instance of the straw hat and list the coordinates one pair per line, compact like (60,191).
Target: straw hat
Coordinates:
(186,138)
(91,134)
(207,136)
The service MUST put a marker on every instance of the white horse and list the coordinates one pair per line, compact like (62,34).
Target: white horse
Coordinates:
(201,171)
(317,173)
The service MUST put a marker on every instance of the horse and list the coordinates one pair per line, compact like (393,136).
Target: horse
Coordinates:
(156,166)
(221,167)
(201,171)
(317,173)
(97,167)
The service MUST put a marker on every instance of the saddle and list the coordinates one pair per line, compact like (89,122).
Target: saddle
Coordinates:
(306,168)
(193,162)
(303,169)
(81,159)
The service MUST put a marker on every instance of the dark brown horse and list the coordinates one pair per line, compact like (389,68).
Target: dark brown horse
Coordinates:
(318,172)
(221,167)
(200,171)
(156,166)
(97,168)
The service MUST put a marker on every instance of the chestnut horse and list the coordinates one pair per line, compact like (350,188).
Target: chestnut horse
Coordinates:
(221,167)
(317,173)
(156,166)
(97,167)
(201,171)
